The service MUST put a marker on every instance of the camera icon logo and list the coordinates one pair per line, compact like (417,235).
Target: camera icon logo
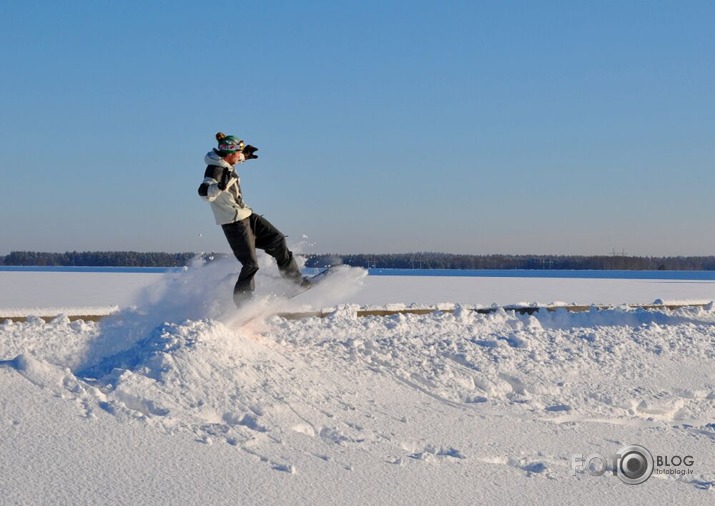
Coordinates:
(634,464)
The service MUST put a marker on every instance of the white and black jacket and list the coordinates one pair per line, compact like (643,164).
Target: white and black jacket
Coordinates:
(227,205)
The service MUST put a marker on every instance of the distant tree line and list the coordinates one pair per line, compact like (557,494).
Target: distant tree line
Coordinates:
(560,262)
(376,261)
(97,259)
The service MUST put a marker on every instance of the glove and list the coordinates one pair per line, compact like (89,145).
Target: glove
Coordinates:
(249,151)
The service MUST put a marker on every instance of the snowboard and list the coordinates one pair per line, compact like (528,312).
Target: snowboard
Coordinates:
(312,281)
(273,303)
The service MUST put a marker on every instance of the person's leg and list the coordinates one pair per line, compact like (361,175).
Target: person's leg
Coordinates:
(243,244)
(269,239)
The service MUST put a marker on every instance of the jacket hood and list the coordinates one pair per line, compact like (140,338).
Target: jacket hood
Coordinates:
(212,158)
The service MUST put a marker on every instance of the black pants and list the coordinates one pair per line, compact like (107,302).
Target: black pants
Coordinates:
(257,232)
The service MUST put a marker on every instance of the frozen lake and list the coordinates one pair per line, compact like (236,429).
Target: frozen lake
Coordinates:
(30,289)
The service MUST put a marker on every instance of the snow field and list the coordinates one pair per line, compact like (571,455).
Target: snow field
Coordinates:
(245,407)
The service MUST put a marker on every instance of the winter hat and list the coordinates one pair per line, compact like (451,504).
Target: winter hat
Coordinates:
(228,144)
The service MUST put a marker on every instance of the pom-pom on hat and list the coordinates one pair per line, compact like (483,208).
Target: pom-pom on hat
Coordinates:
(228,143)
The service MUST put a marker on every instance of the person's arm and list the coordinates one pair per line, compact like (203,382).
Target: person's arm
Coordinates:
(216,180)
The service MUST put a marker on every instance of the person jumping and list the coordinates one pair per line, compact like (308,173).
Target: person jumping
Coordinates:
(244,229)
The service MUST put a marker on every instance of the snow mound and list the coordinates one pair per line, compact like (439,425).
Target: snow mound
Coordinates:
(405,389)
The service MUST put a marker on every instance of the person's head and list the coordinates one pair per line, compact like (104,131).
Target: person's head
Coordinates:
(230,148)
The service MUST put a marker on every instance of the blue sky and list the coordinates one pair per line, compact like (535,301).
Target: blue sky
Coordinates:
(563,127)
